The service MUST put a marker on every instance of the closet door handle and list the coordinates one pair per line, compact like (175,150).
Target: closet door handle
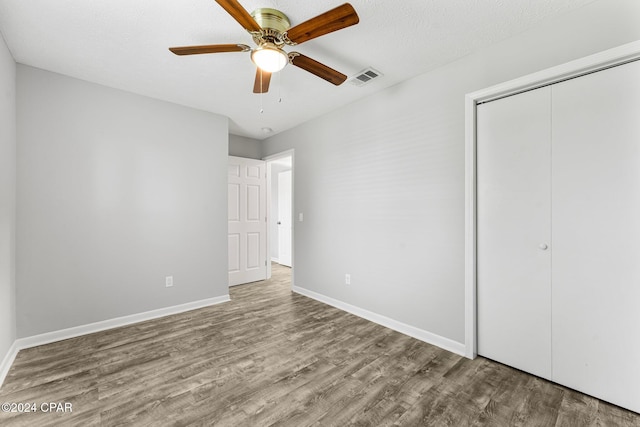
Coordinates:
(543,246)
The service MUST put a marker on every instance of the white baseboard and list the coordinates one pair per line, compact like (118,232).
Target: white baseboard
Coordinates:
(8,361)
(420,334)
(274,259)
(76,331)
(90,328)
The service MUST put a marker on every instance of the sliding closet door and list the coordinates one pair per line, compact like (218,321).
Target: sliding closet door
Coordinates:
(596,234)
(513,231)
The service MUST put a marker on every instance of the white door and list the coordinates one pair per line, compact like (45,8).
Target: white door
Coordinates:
(284,218)
(563,162)
(596,234)
(247,215)
(514,231)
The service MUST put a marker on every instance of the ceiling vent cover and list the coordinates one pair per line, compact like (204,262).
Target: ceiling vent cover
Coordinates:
(365,76)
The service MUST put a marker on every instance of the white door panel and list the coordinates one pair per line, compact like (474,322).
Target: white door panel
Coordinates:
(254,204)
(254,171)
(247,220)
(596,220)
(234,253)
(253,251)
(514,214)
(233,211)
(284,218)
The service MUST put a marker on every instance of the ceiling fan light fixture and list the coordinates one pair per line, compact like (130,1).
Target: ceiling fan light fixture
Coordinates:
(268,57)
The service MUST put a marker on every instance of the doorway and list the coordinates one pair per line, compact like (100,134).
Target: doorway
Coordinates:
(280,229)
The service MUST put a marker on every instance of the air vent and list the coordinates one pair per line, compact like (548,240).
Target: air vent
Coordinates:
(365,76)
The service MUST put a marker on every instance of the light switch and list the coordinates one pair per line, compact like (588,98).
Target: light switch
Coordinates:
(300,217)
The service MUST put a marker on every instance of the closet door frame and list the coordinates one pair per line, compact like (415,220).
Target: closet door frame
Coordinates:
(606,59)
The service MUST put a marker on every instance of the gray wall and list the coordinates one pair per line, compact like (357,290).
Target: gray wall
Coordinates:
(7,198)
(115,191)
(241,146)
(381,181)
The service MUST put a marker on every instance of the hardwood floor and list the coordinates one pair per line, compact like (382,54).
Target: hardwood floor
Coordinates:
(272,357)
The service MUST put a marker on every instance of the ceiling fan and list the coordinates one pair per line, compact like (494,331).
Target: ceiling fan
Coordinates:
(271,30)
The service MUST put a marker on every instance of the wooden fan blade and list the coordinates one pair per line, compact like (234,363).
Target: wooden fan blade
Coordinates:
(211,48)
(328,22)
(261,84)
(314,67)
(240,14)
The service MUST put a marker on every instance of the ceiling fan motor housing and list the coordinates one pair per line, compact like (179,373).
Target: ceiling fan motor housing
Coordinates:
(273,23)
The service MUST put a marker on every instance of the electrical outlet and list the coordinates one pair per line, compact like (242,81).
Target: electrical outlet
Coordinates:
(347,279)
(168,281)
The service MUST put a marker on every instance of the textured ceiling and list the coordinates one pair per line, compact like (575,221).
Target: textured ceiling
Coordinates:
(123,44)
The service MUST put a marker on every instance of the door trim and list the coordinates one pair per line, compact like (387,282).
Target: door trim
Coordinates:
(284,192)
(590,64)
(269,159)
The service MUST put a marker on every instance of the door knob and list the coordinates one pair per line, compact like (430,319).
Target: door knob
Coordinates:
(279,223)
(543,246)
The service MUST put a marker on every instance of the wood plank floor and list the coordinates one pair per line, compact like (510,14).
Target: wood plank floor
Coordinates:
(271,357)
